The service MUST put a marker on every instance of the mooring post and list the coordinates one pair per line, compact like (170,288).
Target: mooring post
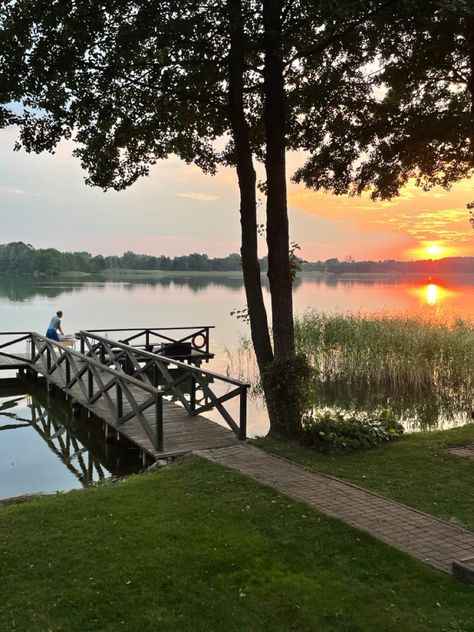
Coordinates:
(159,422)
(68,371)
(48,358)
(243,413)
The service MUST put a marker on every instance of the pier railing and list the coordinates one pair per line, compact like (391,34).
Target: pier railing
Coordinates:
(174,378)
(157,339)
(13,349)
(97,382)
(110,372)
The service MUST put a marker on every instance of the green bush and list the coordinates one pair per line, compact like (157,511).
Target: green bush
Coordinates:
(329,431)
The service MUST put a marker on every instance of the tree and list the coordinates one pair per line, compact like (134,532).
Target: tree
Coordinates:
(415,118)
(97,263)
(134,81)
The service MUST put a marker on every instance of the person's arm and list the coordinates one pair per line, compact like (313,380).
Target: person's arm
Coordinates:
(60,328)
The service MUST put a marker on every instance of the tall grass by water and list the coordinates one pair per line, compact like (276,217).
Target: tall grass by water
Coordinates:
(421,369)
(397,351)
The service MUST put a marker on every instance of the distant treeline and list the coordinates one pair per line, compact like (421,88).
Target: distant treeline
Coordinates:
(20,258)
(448,265)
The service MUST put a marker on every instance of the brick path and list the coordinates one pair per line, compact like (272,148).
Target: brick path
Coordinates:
(428,539)
(466,451)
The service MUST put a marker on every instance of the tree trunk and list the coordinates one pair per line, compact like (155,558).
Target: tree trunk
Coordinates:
(279,272)
(247,187)
(287,379)
(470,80)
(283,378)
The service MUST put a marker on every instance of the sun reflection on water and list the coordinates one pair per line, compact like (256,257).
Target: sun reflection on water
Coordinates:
(432,293)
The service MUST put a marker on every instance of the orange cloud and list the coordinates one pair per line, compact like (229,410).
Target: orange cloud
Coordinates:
(423,219)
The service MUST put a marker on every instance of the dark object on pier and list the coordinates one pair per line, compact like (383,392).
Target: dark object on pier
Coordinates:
(175,349)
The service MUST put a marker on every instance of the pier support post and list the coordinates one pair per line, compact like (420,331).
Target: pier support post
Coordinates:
(159,422)
(192,396)
(243,414)
(119,396)
(109,434)
(90,383)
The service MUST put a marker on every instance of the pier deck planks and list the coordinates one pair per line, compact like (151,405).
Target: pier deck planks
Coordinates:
(182,433)
(11,363)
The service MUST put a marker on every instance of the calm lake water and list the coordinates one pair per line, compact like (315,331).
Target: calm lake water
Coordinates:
(43,448)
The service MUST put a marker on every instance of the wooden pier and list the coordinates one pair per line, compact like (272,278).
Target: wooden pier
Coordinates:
(156,401)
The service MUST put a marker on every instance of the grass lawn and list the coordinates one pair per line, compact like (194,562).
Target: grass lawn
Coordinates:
(200,547)
(417,470)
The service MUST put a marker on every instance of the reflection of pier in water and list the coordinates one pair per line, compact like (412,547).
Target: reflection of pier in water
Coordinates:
(62,442)
(76,442)
(89,450)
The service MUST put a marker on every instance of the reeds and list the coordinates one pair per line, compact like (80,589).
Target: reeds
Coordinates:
(394,351)
(423,370)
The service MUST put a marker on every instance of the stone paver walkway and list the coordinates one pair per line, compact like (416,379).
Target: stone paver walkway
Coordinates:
(428,539)
(466,451)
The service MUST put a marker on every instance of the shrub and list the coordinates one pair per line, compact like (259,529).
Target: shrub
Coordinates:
(329,431)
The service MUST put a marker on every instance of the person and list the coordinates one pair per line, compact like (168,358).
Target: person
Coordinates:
(54,327)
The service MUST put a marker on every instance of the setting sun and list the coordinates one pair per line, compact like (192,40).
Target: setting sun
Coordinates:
(433,250)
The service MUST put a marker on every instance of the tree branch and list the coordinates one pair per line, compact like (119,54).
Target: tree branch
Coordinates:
(335,37)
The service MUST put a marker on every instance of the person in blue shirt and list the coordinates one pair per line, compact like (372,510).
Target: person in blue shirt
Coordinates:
(54,327)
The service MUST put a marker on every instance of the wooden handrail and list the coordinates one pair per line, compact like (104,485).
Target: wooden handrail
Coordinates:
(95,387)
(136,333)
(197,376)
(165,360)
(92,331)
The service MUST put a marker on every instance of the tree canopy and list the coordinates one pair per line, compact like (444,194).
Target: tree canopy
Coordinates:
(415,117)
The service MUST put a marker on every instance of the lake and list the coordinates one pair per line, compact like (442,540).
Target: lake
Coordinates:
(43,448)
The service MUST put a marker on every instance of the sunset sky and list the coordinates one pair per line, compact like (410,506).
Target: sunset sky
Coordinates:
(178,210)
